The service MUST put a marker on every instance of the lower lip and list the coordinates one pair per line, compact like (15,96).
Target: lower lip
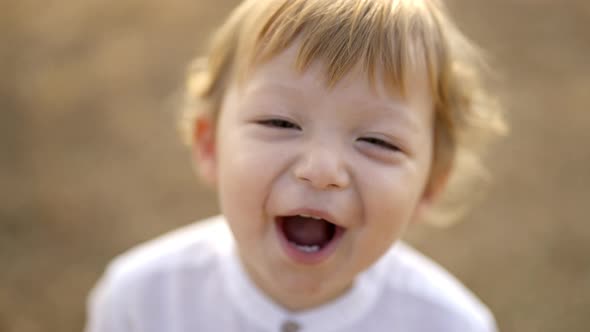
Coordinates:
(308,258)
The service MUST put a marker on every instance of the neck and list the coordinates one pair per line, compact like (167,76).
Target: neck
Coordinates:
(300,293)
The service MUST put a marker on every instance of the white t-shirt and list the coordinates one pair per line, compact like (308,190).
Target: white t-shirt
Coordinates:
(191,280)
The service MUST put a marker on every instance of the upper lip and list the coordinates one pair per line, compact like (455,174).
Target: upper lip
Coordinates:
(314,213)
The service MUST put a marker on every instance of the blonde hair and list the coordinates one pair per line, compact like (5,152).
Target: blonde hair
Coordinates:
(393,35)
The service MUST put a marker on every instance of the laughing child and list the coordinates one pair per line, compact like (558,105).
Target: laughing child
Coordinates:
(326,128)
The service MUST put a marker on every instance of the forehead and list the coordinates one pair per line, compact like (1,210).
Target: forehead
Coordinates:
(280,72)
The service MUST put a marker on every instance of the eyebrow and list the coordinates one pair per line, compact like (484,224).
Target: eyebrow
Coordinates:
(267,87)
(400,112)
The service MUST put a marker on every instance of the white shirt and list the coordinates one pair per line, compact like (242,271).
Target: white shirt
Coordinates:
(191,280)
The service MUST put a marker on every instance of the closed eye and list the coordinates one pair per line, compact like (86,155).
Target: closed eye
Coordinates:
(379,143)
(279,123)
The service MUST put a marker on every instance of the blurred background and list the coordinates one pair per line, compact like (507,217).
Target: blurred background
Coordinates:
(91,163)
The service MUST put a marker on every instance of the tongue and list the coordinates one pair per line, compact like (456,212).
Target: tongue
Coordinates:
(307,231)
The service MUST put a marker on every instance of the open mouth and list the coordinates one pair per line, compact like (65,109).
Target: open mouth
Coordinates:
(308,238)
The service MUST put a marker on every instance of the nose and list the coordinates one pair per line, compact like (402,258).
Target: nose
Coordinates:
(322,168)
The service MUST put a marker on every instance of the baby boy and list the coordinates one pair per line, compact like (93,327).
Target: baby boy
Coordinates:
(326,127)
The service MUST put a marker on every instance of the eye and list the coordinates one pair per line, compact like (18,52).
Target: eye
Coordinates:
(379,143)
(279,123)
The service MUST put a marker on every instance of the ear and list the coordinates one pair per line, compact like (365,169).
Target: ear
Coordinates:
(433,190)
(204,149)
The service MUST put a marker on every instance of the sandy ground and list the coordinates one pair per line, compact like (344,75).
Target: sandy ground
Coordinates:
(91,163)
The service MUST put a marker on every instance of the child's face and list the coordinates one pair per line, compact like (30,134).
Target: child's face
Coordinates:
(287,148)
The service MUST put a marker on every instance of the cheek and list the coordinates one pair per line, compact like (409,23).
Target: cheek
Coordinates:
(389,204)
(246,173)
(391,197)
(239,178)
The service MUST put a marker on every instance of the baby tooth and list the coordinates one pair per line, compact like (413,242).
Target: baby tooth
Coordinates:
(309,216)
(307,249)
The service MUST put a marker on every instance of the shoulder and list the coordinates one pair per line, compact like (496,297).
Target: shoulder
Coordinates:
(191,246)
(427,288)
(147,277)
(191,252)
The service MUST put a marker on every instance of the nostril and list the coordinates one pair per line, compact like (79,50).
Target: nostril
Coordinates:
(324,181)
(323,171)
